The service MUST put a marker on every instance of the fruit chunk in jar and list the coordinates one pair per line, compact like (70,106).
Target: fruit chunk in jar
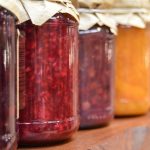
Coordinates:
(7,81)
(48,80)
(95,77)
(132,76)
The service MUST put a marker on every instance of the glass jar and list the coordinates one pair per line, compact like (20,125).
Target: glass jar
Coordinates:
(7,81)
(132,76)
(96,77)
(48,80)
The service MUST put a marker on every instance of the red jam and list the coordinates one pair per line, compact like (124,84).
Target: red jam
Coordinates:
(7,81)
(95,77)
(48,81)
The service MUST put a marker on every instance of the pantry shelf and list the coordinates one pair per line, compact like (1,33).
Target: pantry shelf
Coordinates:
(122,134)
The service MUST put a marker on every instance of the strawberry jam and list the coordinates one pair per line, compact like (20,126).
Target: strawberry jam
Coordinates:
(48,80)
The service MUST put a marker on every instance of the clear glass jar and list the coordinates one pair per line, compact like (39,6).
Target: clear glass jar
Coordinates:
(96,77)
(132,75)
(48,80)
(8,134)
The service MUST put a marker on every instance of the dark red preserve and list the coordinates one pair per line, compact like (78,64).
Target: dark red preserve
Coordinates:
(48,80)
(95,77)
(7,81)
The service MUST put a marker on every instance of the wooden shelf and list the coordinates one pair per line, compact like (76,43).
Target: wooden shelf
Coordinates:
(122,134)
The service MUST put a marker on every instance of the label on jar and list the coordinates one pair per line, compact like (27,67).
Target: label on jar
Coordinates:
(40,11)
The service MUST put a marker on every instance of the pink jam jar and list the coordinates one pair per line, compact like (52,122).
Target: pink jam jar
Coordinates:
(95,77)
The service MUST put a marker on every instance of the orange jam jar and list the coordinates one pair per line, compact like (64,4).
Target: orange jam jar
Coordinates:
(132,71)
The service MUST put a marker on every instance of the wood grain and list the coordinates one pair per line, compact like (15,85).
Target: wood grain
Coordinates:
(122,134)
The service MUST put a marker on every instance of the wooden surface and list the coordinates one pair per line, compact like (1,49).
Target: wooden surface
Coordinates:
(122,134)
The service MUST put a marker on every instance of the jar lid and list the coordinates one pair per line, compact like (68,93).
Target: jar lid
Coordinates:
(39,11)
(132,3)
(137,17)
(91,17)
(15,7)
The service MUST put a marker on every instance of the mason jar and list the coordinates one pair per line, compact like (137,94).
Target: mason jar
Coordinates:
(132,75)
(96,53)
(8,134)
(48,80)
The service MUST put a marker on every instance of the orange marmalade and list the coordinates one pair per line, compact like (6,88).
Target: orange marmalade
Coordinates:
(132,71)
